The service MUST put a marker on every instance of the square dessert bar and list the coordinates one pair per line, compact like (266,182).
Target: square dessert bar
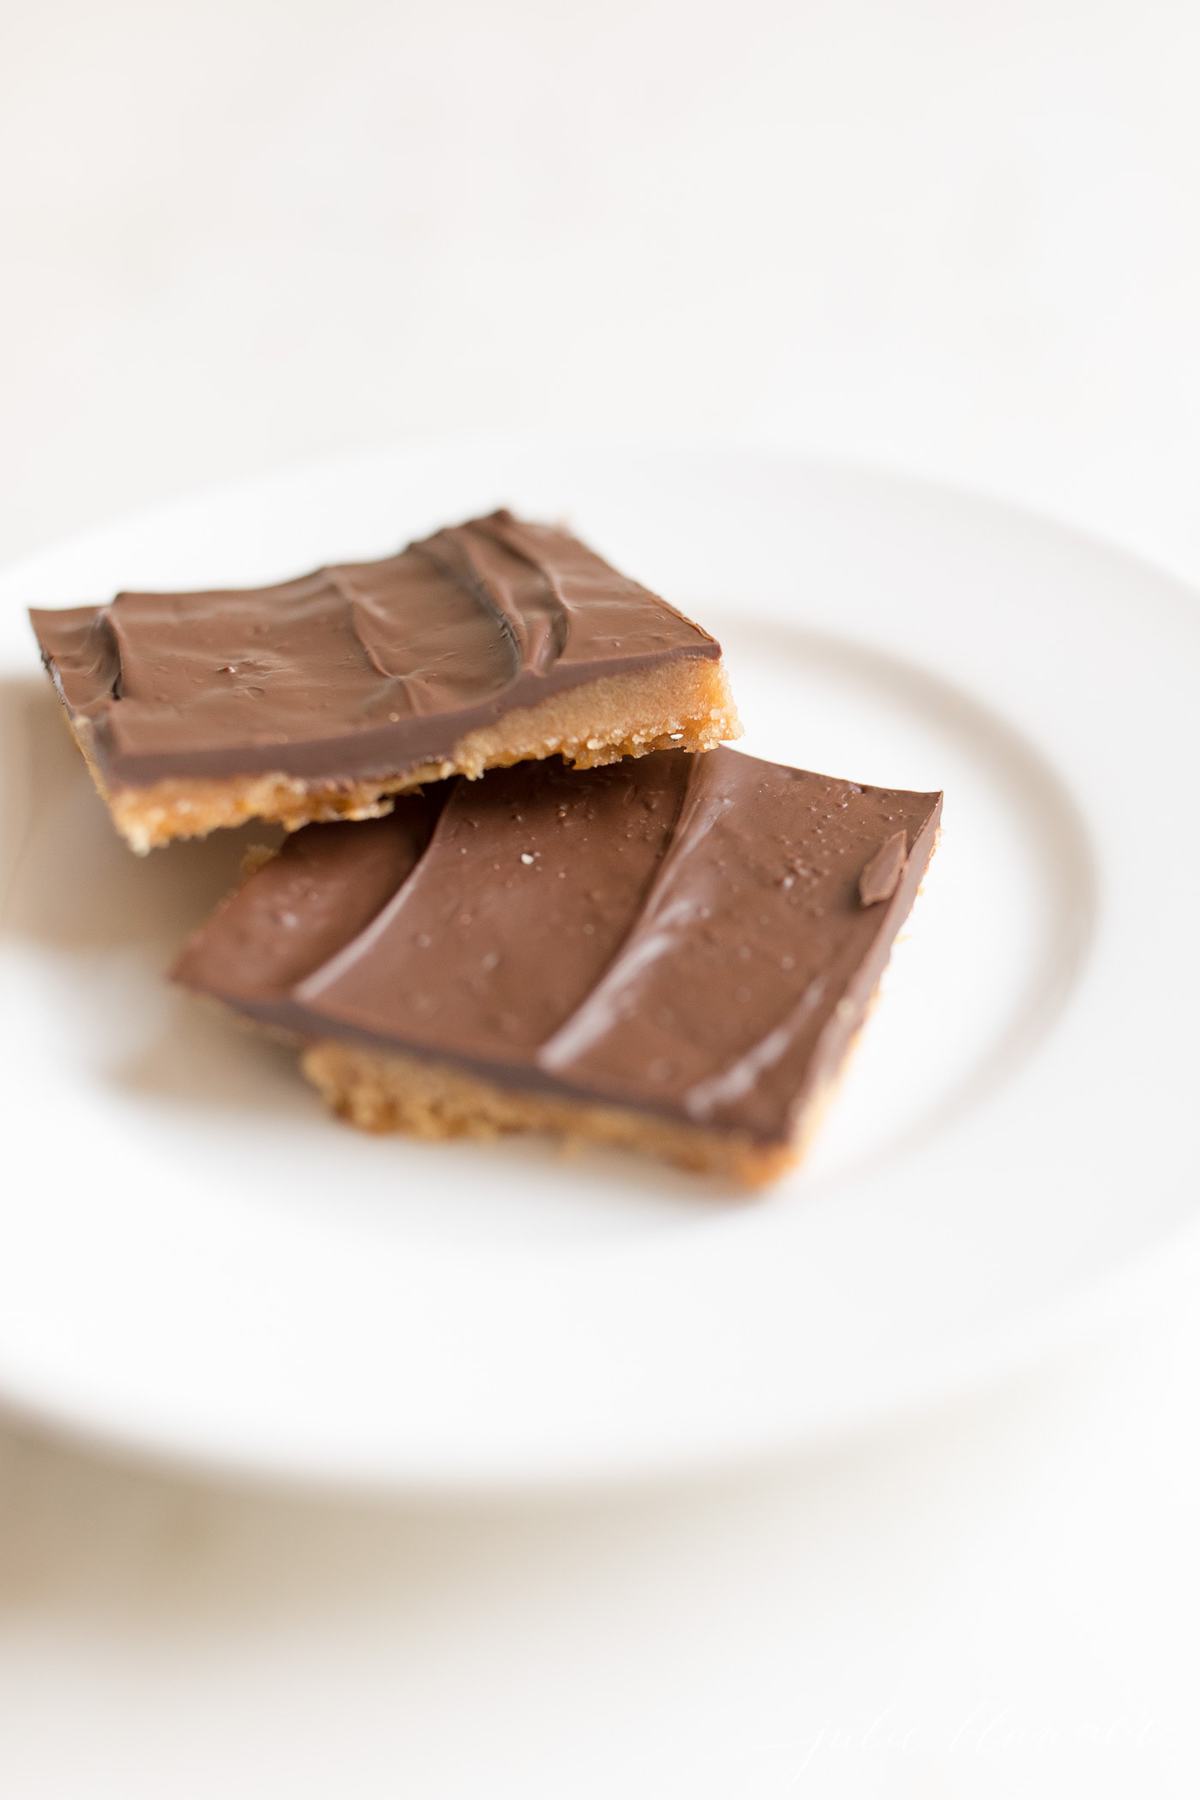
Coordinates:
(672,954)
(487,644)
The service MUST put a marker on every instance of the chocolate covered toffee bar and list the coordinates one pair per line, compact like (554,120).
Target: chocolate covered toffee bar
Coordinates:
(487,644)
(672,954)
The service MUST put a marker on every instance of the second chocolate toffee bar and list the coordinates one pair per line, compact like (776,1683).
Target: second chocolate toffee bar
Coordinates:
(673,952)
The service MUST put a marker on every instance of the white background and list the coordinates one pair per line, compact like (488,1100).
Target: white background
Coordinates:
(958,236)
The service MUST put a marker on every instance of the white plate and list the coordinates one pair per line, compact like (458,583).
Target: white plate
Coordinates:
(197,1262)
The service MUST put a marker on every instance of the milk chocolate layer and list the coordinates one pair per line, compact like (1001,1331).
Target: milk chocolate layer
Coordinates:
(683,935)
(360,670)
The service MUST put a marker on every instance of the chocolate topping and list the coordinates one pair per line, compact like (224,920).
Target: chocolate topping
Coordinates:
(881,877)
(680,934)
(360,670)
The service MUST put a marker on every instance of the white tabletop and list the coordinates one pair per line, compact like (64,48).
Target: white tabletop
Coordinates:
(960,239)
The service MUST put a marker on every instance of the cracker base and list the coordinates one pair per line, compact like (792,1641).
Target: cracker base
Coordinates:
(393,1092)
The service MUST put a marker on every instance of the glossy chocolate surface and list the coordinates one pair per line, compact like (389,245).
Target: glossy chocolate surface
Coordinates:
(681,934)
(360,670)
